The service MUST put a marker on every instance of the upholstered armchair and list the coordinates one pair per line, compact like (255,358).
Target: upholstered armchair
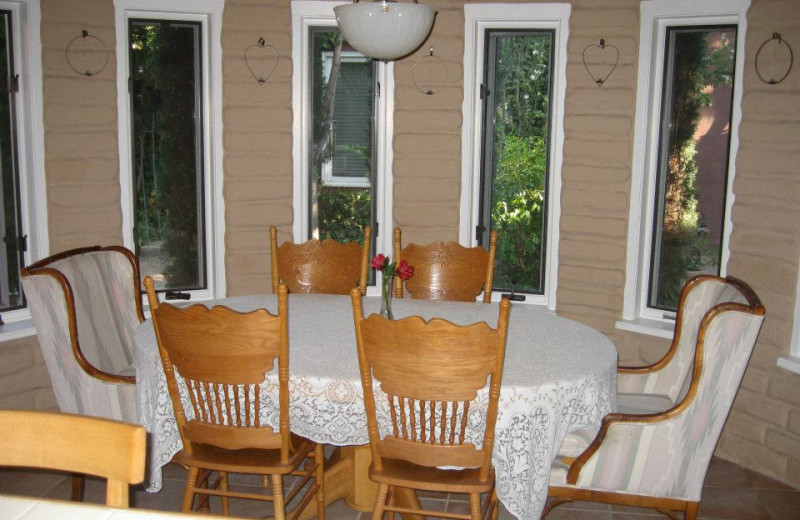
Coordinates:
(86,304)
(660,459)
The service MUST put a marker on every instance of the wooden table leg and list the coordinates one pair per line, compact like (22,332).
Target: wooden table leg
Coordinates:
(347,477)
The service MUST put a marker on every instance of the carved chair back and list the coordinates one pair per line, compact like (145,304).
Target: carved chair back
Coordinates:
(327,267)
(222,356)
(446,270)
(428,376)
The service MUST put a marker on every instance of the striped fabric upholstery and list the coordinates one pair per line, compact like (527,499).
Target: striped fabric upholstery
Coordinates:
(669,458)
(672,381)
(106,317)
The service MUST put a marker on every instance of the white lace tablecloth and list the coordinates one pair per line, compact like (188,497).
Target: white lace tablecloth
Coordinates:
(560,376)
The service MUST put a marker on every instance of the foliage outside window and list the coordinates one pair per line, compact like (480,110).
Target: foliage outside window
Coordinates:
(342,162)
(166,93)
(516,143)
(693,155)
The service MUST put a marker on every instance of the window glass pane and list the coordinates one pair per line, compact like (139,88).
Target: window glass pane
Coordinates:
(166,95)
(342,162)
(515,165)
(12,244)
(692,158)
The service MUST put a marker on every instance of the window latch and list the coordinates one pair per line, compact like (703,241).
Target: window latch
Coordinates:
(176,295)
(513,296)
(484,91)
(479,231)
(12,83)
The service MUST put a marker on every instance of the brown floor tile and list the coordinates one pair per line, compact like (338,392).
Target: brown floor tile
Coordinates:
(578,514)
(759,481)
(781,504)
(723,473)
(732,504)
(585,506)
(30,482)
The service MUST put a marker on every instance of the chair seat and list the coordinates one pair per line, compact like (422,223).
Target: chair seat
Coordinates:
(247,460)
(642,404)
(405,474)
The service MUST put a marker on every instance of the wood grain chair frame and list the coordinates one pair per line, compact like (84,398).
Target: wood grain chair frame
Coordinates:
(425,386)
(222,356)
(326,267)
(446,270)
(667,470)
(104,448)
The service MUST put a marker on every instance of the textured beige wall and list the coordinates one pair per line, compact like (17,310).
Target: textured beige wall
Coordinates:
(763,431)
(80,120)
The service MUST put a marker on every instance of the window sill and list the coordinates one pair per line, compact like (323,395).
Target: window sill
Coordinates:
(790,363)
(660,329)
(16,330)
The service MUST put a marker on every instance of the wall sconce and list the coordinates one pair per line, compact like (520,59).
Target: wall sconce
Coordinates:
(88,46)
(429,74)
(602,49)
(780,57)
(257,57)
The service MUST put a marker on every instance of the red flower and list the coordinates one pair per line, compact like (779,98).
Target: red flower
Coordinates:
(378,262)
(404,271)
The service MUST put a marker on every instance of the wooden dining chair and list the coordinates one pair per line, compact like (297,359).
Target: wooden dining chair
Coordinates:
(446,270)
(327,267)
(104,448)
(222,357)
(423,414)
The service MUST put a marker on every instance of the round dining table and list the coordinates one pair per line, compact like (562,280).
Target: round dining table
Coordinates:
(559,377)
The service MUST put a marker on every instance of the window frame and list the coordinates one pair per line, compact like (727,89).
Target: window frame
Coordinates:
(317,13)
(26,27)
(328,178)
(478,19)
(209,14)
(656,17)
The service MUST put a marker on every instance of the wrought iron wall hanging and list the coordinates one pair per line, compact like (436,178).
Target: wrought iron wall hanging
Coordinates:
(257,58)
(775,55)
(429,74)
(82,54)
(603,72)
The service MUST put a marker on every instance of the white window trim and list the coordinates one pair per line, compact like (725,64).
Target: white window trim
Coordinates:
(26,26)
(315,13)
(656,15)
(210,13)
(328,178)
(791,362)
(478,18)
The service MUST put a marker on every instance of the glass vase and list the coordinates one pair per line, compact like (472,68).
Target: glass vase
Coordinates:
(386,298)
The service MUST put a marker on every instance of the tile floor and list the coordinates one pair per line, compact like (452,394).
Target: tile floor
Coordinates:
(731,492)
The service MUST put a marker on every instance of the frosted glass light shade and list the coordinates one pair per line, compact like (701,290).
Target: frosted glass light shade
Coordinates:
(384,29)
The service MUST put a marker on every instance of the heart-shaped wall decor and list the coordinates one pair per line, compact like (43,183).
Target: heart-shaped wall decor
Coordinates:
(603,58)
(258,57)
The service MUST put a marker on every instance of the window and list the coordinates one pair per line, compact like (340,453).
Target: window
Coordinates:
(513,137)
(169,143)
(342,101)
(24,231)
(688,108)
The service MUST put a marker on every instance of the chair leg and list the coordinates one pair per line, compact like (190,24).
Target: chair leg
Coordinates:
(475,506)
(319,458)
(277,494)
(78,482)
(188,491)
(494,504)
(380,502)
(223,486)
(690,513)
